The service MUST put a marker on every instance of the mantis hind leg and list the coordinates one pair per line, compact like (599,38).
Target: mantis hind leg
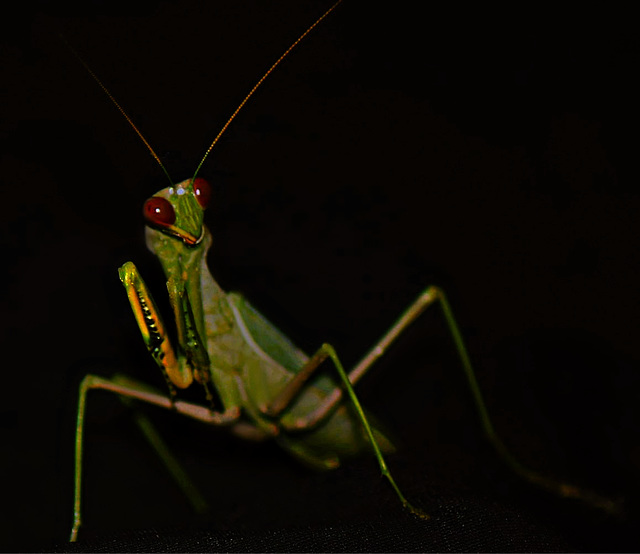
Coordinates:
(428,297)
(558,487)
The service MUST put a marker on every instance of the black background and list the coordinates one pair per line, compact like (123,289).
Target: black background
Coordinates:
(488,153)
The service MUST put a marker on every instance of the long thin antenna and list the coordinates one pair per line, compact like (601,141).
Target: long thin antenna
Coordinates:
(233,115)
(262,79)
(120,109)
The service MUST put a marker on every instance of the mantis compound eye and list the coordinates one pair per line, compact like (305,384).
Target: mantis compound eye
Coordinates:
(202,190)
(158,212)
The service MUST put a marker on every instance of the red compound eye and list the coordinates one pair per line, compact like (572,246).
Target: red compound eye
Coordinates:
(159,212)
(202,190)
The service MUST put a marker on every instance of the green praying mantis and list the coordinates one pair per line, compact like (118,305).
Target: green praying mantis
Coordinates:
(255,380)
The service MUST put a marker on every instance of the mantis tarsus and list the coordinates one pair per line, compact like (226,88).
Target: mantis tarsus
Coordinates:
(267,386)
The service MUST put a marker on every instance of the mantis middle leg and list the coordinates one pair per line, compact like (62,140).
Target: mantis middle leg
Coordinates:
(128,389)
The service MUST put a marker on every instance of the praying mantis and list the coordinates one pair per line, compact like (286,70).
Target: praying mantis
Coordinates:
(266,386)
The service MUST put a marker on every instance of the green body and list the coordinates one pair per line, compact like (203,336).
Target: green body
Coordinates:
(250,360)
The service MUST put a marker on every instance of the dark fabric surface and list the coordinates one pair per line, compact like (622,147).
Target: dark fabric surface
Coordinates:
(465,528)
(353,510)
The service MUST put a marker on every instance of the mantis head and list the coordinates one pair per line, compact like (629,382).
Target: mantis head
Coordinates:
(178,210)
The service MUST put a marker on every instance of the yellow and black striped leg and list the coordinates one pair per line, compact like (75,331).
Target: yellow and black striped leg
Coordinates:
(176,372)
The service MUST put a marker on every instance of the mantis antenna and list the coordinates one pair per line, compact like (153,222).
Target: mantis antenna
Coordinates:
(120,108)
(233,115)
